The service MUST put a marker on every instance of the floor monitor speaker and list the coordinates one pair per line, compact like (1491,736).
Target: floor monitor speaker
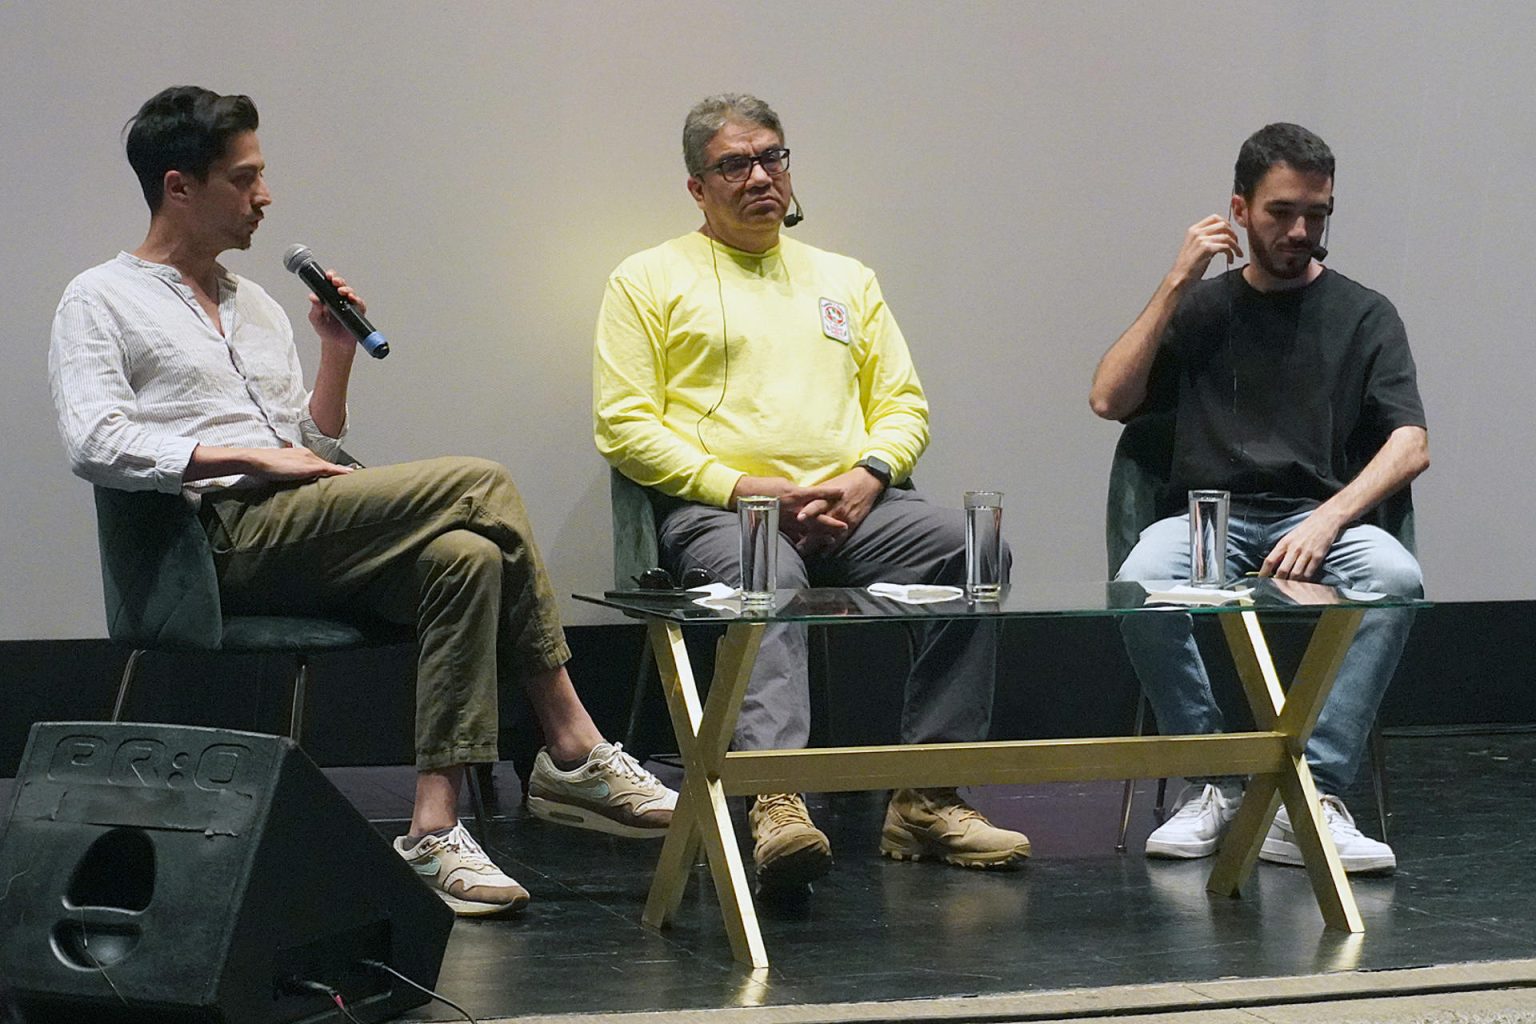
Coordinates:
(177,874)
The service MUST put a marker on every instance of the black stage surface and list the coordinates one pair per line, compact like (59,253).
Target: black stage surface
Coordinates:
(1079,915)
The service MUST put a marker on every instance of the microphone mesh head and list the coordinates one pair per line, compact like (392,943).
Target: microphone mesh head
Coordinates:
(296,256)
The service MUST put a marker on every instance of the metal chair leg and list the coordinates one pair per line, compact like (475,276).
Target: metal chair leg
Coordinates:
(637,702)
(477,801)
(122,687)
(300,694)
(1130,784)
(828,705)
(1377,745)
(485,778)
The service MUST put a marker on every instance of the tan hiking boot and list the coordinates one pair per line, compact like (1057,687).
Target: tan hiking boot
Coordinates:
(924,824)
(787,849)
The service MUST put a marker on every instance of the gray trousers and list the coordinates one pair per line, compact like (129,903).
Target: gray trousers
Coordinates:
(904,539)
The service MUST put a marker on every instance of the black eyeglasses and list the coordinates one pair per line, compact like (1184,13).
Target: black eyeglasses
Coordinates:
(659,579)
(773,161)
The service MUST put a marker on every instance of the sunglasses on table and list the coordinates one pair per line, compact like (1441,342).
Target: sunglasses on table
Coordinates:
(659,579)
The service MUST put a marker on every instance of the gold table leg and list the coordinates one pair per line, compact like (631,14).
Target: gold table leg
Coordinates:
(702,818)
(1295,715)
(703,730)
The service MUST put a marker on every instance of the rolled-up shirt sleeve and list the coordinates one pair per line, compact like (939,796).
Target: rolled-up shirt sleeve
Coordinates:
(96,405)
(315,439)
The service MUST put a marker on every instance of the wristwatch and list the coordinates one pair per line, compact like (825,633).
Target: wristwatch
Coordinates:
(878,468)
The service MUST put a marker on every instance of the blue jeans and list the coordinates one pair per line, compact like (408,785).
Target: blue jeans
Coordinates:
(1162,648)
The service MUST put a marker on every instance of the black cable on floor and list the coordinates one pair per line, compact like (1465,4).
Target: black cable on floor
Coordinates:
(381,966)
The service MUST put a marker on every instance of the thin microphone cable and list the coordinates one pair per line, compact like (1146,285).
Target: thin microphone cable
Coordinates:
(725,343)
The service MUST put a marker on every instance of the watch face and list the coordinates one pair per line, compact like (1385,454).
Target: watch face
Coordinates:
(877,467)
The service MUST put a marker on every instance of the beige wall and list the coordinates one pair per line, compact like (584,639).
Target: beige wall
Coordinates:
(1019,175)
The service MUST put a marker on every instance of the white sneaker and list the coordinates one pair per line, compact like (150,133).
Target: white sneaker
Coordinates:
(455,868)
(1196,828)
(610,793)
(1357,852)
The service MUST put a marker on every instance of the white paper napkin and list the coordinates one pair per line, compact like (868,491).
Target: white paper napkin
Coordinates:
(718,595)
(916,593)
(1183,593)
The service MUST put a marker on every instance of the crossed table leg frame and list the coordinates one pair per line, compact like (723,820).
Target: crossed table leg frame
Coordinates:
(1271,755)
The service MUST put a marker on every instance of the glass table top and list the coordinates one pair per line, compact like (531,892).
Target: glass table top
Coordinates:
(1024,600)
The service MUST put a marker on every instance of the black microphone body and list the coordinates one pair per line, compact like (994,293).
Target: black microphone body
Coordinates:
(301,261)
(1320,250)
(796,215)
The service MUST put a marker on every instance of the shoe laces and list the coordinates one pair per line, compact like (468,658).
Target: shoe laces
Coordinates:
(1195,805)
(949,799)
(1338,816)
(471,856)
(782,808)
(626,765)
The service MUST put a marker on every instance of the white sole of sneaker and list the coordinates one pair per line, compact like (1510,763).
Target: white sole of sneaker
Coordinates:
(579,817)
(1289,854)
(1181,851)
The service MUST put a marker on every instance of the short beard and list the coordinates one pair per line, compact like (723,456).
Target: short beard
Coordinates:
(1263,256)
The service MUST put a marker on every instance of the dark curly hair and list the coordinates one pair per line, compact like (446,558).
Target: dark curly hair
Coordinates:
(183,128)
(1279,143)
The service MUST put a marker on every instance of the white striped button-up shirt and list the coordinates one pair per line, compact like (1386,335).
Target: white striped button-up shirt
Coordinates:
(141,376)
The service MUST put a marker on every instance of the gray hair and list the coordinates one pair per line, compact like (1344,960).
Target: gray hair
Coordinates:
(710,114)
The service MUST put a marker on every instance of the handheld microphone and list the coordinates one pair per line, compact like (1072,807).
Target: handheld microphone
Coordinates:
(301,261)
(796,215)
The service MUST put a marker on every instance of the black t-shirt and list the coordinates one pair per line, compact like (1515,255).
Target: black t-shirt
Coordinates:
(1281,397)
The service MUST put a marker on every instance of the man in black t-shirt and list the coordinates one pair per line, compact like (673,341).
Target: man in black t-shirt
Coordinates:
(1293,388)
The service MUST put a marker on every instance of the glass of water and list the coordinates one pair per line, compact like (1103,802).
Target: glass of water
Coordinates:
(1208,512)
(984,545)
(759,519)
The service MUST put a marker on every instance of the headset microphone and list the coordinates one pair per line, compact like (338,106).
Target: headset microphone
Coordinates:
(1320,251)
(796,215)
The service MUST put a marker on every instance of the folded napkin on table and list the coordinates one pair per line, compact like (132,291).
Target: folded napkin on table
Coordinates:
(915,593)
(718,595)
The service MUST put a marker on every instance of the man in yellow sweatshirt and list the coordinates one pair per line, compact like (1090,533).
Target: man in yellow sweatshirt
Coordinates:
(733,362)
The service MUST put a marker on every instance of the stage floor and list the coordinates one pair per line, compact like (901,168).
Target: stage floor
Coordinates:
(1078,915)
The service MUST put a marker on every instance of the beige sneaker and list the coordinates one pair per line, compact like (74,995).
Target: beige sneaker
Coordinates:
(455,868)
(787,849)
(923,824)
(610,793)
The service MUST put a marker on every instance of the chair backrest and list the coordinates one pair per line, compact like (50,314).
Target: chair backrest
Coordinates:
(1138,482)
(157,572)
(1138,479)
(635,548)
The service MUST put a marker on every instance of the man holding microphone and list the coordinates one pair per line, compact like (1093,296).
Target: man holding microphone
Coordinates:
(170,373)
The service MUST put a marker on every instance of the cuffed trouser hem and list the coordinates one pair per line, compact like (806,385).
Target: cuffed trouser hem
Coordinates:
(555,653)
(460,754)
